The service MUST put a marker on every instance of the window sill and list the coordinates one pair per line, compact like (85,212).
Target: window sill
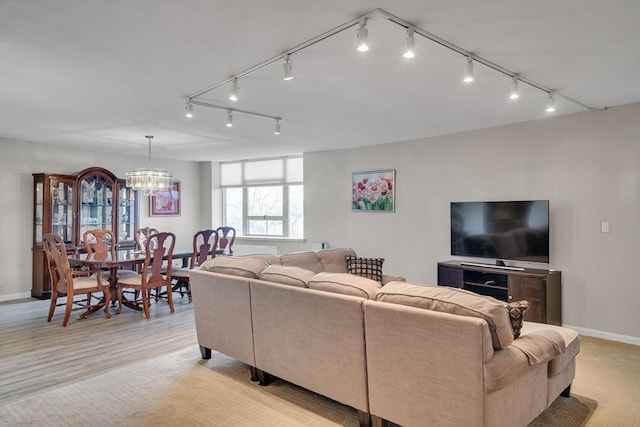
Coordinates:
(268,239)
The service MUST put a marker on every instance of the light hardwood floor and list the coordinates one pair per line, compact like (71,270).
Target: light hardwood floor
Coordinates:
(37,356)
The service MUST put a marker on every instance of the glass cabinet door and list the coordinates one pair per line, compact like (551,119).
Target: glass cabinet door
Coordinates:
(96,203)
(62,210)
(38,211)
(127,212)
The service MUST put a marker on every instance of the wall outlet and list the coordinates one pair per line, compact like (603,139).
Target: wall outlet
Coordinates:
(604,226)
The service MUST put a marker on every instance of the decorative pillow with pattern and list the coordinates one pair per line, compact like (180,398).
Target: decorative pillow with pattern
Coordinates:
(370,268)
(516,311)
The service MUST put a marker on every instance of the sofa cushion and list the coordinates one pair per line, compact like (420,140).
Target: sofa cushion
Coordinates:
(516,310)
(287,275)
(335,260)
(307,260)
(269,259)
(235,266)
(370,268)
(454,301)
(345,283)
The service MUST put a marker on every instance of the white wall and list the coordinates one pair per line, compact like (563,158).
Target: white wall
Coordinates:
(19,159)
(586,164)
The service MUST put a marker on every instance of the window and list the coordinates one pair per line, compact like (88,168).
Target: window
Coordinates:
(264,197)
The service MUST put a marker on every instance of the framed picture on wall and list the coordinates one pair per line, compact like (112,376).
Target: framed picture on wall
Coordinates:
(373,191)
(167,202)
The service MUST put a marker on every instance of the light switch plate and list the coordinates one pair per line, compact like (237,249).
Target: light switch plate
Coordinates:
(604,226)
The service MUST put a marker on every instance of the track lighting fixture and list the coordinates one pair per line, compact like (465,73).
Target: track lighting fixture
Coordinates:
(514,93)
(363,36)
(409,51)
(551,103)
(233,96)
(286,65)
(468,71)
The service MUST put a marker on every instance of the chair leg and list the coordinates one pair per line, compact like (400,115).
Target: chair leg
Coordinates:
(169,297)
(67,310)
(52,306)
(119,298)
(146,295)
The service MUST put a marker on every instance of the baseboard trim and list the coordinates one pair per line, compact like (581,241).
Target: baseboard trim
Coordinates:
(606,335)
(12,297)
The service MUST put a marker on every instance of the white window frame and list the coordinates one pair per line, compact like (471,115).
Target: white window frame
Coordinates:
(246,184)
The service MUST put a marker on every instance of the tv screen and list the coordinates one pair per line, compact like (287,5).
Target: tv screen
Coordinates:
(513,230)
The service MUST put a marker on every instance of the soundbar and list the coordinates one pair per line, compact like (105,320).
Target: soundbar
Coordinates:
(501,267)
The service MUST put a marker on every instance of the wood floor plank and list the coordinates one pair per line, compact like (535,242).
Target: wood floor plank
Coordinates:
(36,356)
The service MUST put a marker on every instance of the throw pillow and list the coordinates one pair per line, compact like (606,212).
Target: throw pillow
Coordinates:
(516,315)
(370,268)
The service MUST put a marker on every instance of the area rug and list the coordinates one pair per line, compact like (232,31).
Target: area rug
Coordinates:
(181,389)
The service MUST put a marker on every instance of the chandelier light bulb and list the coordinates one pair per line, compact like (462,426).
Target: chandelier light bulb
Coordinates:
(188,110)
(515,90)
(276,128)
(229,119)
(286,65)
(551,103)
(233,96)
(409,52)
(468,71)
(363,36)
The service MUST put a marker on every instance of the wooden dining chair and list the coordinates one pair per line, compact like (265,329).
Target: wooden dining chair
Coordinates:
(142,234)
(226,237)
(70,283)
(205,243)
(100,242)
(158,248)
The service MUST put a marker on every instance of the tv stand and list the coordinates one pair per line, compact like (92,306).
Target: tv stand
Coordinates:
(542,288)
(498,266)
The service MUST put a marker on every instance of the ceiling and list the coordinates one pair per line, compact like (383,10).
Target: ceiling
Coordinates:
(103,74)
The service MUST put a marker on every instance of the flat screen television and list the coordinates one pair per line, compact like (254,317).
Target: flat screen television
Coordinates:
(509,230)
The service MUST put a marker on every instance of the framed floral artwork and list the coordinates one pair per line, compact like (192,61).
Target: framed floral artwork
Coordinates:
(167,202)
(373,191)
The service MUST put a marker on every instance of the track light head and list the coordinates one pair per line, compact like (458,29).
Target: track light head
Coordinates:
(514,93)
(363,36)
(286,65)
(188,107)
(468,71)
(235,89)
(229,119)
(410,48)
(551,103)
(276,127)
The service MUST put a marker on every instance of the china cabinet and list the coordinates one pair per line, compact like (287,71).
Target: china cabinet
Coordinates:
(68,205)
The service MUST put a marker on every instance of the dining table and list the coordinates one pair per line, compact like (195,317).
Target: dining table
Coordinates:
(113,261)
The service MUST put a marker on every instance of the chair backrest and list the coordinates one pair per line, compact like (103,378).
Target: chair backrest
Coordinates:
(141,236)
(58,263)
(226,237)
(205,243)
(158,248)
(99,242)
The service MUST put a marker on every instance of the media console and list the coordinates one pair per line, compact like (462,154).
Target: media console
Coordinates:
(542,288)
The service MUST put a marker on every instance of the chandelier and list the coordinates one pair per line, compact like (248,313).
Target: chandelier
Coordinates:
(149,180)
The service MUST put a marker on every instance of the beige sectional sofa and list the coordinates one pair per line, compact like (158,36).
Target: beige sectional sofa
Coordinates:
(406,353)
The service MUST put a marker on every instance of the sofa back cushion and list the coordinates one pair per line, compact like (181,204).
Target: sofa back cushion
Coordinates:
(235,266)
(269,259)
(308,260)
(454,301)
(287,275)
(346,284)
(335,260)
